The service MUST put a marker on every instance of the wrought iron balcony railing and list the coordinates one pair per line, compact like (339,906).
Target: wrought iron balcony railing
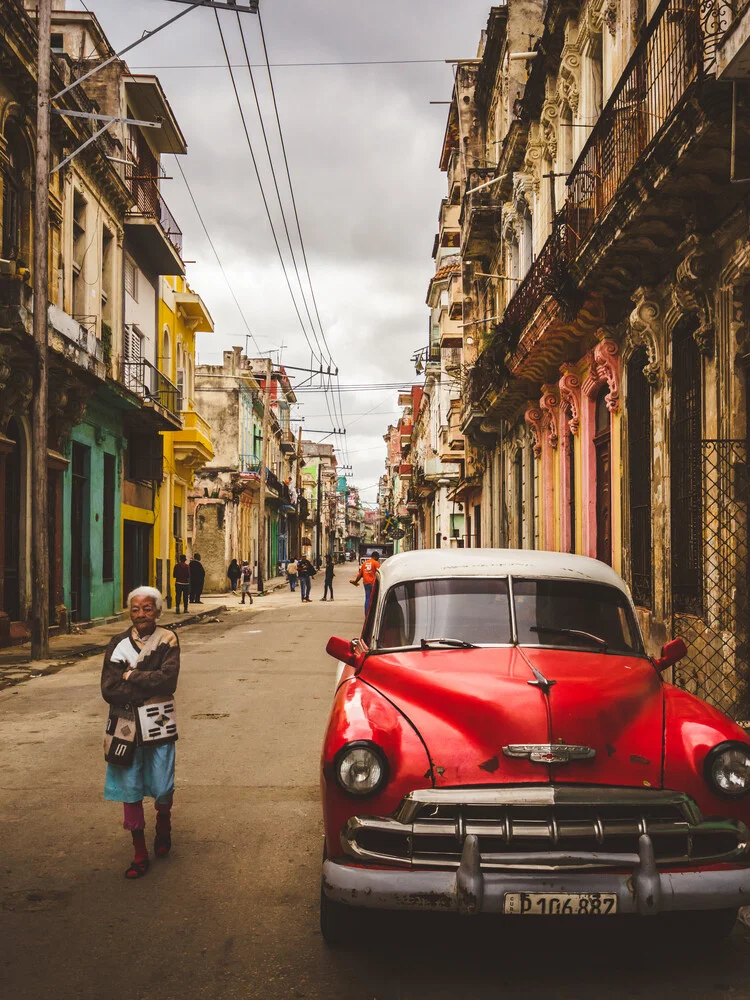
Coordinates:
(149,202)
(666,61)
(250,464)
(146,381)
(546,276)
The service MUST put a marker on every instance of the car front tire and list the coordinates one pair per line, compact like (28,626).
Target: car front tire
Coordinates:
(701,927)
(339,923)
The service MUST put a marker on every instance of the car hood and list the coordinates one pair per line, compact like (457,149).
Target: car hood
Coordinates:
(467,704)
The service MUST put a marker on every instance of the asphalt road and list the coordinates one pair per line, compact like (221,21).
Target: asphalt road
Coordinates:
(232,912)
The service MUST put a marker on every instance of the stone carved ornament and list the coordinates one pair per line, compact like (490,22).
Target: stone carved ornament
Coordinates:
(534,418)
(550,403)
(690,293)
(570,395)
(645,330)
(604,366)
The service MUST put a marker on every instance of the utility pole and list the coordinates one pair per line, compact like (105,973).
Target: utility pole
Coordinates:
(298,549)
(39,500)
(263,467)
(318,525)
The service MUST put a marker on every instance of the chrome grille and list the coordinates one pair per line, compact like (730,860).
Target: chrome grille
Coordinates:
(543,828)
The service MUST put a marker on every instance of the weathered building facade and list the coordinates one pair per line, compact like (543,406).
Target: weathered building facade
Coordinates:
(604,254)
(107,408)
(224,509)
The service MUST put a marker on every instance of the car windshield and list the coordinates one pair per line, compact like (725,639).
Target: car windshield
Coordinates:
(564,614)
(573,613)
(468,609)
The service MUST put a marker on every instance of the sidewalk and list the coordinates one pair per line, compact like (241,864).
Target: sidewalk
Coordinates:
(15,661)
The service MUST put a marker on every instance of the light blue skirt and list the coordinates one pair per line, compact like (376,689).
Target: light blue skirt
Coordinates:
(150,775)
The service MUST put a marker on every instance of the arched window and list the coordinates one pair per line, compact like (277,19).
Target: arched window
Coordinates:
(16,197)
(180,377)
(526,244)
(520,505)
(686,421)
(603,450)
(571,470)
(533,497)
(165,351)
(638,405)
(564,154)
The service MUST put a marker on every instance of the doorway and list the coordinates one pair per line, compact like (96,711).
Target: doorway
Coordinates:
(136,541)
(79,534)
(603,449)
(12,567)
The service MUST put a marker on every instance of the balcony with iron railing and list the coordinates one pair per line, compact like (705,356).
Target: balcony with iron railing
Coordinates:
(480,214)
(667,61)
(151,224)
(288,442)
(726,31)
(192,444)
(155,390)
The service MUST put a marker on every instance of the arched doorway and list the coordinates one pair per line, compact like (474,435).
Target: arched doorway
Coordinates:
(13,499)
(603,450)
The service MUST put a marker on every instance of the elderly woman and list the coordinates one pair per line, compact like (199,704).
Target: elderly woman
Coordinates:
(139,677)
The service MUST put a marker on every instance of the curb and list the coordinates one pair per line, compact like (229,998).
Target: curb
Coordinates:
(55,662)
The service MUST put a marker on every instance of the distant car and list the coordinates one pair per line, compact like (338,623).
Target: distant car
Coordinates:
(499,742)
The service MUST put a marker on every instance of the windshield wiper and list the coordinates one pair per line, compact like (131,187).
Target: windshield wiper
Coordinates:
(458,643)
(570,631)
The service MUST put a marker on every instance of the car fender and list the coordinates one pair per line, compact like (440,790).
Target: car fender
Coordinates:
(691,729)
(359,712)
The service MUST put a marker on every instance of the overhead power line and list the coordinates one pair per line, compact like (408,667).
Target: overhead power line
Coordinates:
(260,181)
(216,254)
(340,415)
(292,65)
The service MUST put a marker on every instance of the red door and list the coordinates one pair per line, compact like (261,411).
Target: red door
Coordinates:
(602,446)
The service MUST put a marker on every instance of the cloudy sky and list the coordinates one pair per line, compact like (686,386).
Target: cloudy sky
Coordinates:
(363,145)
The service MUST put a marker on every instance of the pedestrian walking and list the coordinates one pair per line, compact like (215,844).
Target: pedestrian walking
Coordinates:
(291,574)
(182,584)
(197,579)
(246,579)
(139,678)
(234,574)
(305,571)
(368,572)
(328,584)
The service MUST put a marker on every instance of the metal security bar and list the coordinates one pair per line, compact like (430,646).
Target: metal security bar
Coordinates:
(667,60)
(718,663)
(639,477)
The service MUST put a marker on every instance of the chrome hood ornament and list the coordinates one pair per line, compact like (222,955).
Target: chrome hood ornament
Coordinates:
(549,753)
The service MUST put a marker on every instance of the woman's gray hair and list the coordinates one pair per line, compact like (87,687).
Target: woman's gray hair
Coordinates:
(151,592)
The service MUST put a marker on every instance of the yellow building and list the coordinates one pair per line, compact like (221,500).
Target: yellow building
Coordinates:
(182,314)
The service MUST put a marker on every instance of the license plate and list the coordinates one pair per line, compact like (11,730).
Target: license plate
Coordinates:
(563,904)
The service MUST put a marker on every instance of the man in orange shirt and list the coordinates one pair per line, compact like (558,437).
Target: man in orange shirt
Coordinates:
(367,573)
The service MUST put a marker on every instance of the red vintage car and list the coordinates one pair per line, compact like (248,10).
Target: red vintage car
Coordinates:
(499,742)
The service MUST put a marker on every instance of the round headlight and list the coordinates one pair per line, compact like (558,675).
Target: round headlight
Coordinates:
(728,769)
(360,768)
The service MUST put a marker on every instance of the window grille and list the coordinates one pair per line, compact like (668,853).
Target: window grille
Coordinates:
(639,478)
(686,480)
(572,489)
(519,499)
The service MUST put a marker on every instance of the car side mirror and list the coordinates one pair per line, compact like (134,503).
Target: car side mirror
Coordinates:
(342,649)
(671,653)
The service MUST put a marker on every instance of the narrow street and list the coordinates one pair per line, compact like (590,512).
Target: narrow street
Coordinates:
(233,912)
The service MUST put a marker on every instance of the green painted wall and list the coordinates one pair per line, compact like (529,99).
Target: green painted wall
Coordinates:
(100,432)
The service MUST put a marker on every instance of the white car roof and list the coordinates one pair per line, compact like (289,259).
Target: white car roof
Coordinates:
(528,563)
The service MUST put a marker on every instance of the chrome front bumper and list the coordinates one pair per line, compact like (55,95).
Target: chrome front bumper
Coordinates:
(469,890)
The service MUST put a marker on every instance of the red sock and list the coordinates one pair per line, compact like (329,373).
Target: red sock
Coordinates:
(139,845)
